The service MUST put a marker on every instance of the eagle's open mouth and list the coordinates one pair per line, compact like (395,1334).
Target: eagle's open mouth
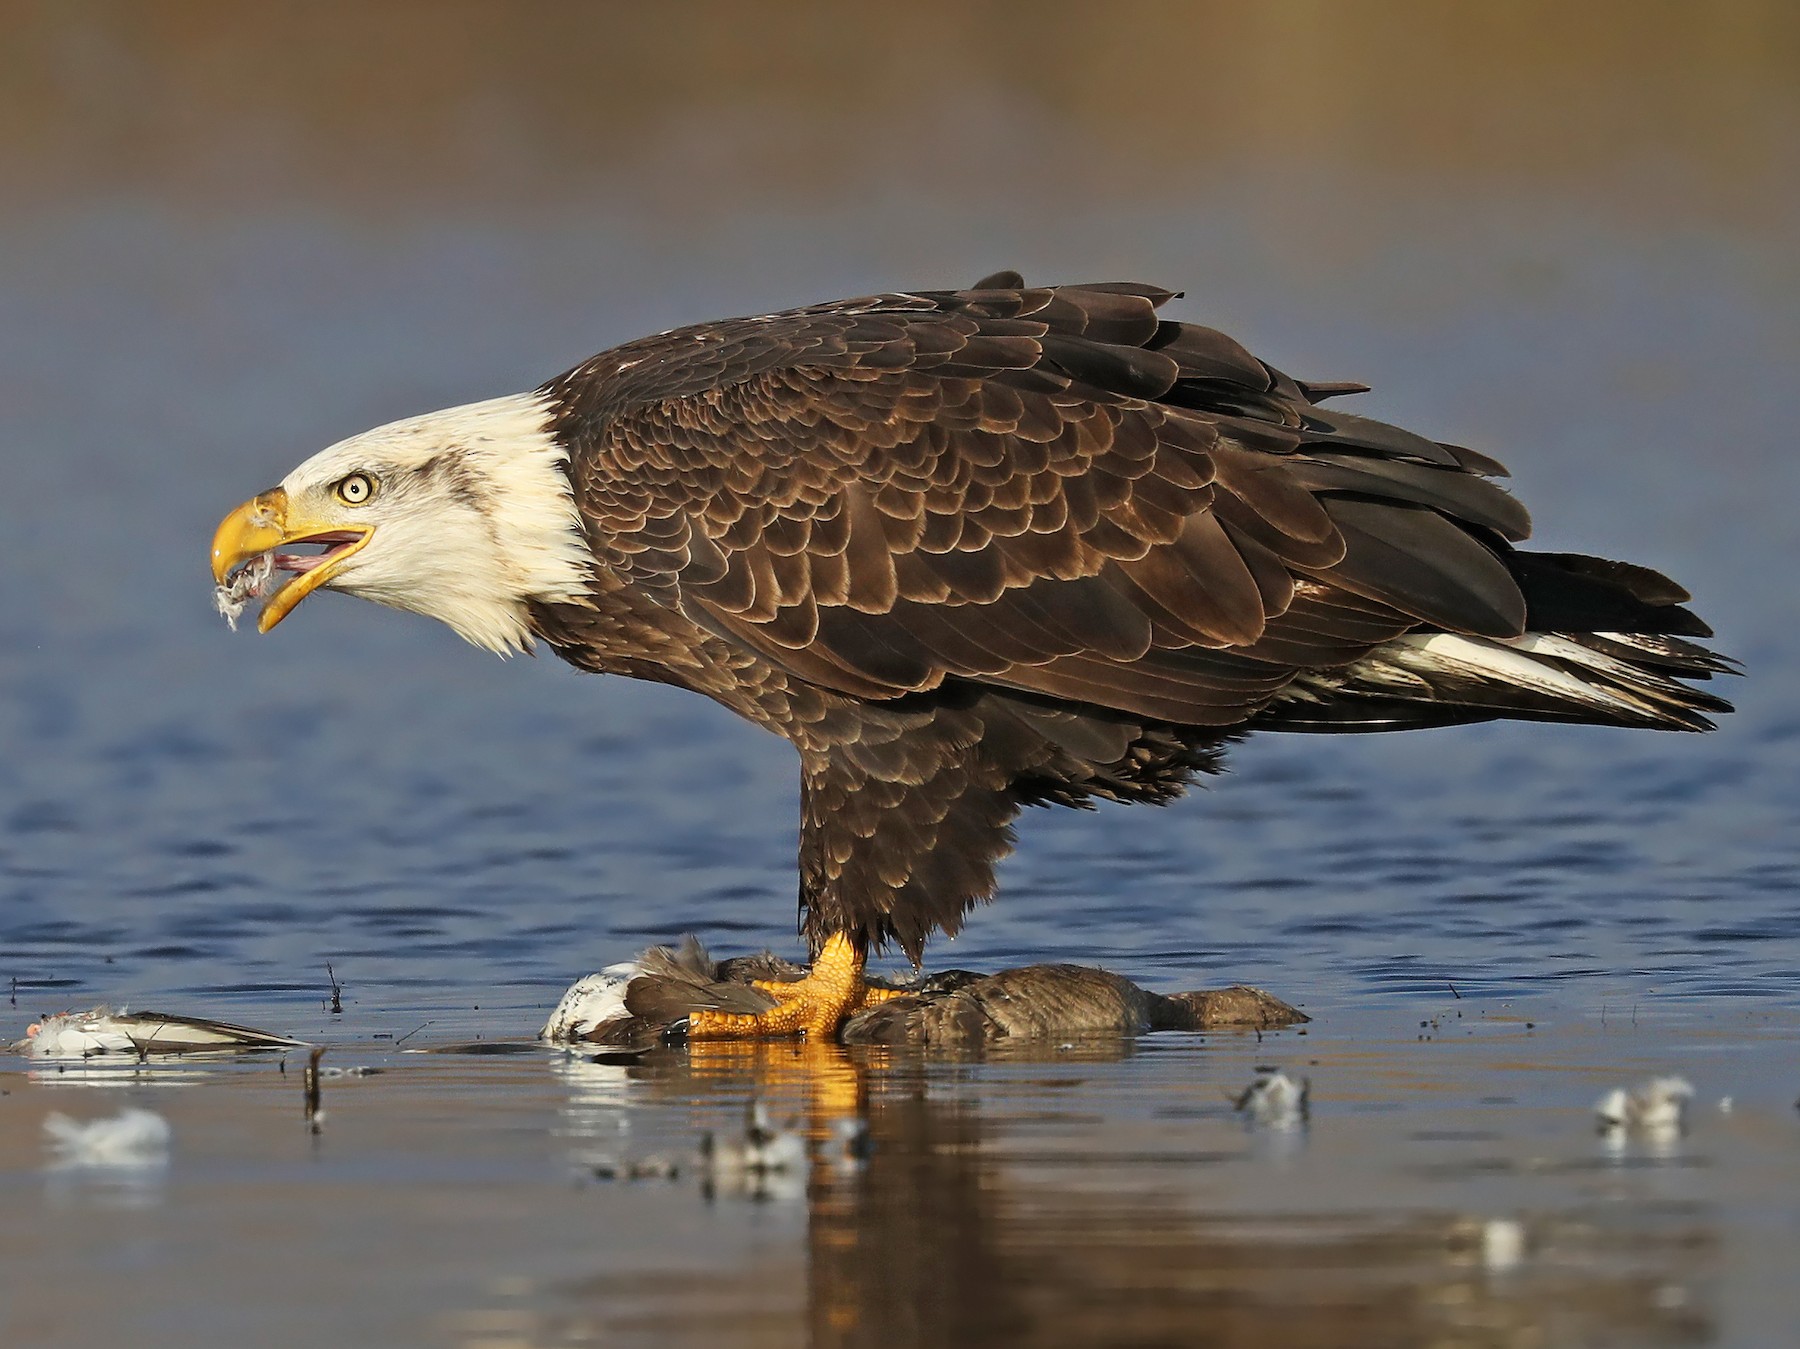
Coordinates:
(334,545)
(254,542)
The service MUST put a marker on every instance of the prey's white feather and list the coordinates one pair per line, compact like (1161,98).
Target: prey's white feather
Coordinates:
(592,1002)
(250,583)
(76,1035)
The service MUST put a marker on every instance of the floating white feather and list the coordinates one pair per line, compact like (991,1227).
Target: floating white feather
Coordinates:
(1276,1101)
(130,1138)
(1656,1107)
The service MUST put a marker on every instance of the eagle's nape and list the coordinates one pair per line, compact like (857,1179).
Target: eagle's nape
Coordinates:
(970,551)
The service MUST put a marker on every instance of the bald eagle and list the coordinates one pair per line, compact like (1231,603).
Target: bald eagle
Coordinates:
(969,551)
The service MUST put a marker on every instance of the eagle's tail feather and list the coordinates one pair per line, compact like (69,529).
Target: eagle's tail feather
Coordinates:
(1605,643)
(1441,678)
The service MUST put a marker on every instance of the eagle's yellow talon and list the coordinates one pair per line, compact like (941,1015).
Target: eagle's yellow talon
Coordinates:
(832,991)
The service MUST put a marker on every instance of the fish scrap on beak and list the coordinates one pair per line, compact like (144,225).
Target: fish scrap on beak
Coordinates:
(247,552)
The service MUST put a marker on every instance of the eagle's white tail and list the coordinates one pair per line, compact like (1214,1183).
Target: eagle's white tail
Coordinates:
(1440,678)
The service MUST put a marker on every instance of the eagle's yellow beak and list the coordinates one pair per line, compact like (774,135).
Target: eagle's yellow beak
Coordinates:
(261,525)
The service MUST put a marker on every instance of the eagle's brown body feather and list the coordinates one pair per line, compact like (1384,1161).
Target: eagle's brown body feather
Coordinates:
(980,549)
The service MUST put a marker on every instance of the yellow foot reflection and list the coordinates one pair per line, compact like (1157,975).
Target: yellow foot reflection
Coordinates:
(815,1006)
(820,1083)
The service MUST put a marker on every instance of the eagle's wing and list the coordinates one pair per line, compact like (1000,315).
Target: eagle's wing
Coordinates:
(1049,489)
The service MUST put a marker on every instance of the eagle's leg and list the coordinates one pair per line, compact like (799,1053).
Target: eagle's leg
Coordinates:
(903,813)
(815,1006)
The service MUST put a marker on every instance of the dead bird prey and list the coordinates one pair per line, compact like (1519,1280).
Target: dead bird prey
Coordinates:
(641,1002)
(970,551)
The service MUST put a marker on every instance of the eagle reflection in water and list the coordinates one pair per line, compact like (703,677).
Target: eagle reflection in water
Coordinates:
(988,1211)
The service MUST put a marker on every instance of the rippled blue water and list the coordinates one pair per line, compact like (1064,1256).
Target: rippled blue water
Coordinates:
(205,820)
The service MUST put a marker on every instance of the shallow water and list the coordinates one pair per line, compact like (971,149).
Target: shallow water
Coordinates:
(1090,1193)
(192,301)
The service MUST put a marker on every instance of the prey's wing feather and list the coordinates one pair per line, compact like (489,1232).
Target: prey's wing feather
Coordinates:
(1051,489)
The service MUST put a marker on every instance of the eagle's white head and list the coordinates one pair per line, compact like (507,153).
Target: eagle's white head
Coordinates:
(463,515)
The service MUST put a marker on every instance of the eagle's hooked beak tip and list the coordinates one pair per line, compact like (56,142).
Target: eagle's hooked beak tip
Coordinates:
(249,531)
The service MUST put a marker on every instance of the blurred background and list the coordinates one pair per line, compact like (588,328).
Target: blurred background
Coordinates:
(231,234)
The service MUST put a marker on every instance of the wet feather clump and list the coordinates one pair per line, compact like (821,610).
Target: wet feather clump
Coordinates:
(249,582)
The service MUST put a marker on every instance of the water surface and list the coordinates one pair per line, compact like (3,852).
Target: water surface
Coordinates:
(1584,268)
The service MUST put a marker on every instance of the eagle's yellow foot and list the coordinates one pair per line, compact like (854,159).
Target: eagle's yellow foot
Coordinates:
(832,991)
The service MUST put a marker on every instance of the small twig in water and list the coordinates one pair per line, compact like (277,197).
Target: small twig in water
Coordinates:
(414,1031)
(15,990)
(337,991)
(310,1085)
(143,1049)
(1453,992)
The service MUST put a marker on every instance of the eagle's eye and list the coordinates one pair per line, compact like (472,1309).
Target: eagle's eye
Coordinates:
(356,489)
